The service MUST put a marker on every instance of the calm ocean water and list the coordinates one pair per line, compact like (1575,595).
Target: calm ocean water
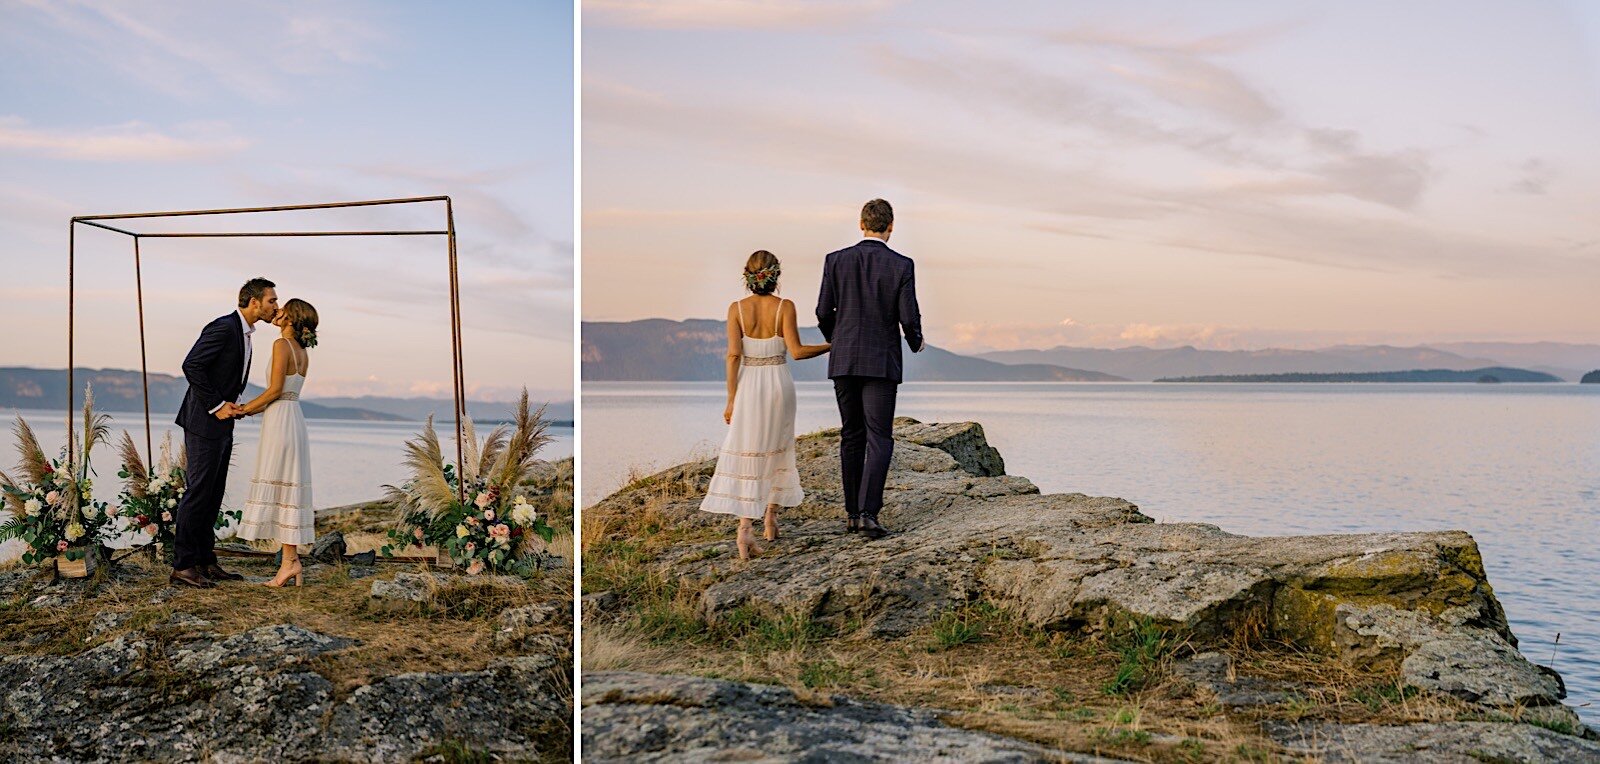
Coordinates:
(1518,466)
(352,460)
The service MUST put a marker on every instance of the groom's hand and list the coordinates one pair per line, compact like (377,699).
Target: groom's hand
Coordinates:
(228,411)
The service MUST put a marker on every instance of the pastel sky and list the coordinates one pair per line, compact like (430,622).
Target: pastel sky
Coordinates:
(112,107)
(1224,174)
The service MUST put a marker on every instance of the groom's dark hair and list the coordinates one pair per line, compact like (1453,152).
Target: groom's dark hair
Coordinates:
(877,216)
(253,289)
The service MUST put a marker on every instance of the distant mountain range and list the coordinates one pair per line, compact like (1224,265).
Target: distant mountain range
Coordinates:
(693,350)
(1564,361)
(120,390)
(1491,374)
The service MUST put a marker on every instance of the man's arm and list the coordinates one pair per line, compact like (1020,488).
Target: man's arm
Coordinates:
(825,304)
(910,313)
(213,339)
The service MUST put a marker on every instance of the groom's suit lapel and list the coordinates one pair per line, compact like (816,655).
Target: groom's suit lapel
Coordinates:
(238,381)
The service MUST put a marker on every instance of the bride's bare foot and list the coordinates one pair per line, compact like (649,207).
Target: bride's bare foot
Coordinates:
(746,542)
(292,570)
(771,533)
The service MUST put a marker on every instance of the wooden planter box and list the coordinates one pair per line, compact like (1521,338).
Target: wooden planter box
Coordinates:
(93,558)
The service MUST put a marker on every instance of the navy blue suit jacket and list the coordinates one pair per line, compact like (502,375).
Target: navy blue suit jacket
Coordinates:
(215,370)
(869,296)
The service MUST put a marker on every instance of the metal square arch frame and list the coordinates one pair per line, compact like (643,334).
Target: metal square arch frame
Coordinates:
(99,221)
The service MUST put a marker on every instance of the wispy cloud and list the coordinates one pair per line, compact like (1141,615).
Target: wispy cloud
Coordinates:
(740,14)
(127,142)
(1257,218)
(183,49)
(1534,176)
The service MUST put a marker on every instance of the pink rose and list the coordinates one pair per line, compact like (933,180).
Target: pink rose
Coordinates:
(483,500)
(417,532)
(166,517)
(472,520)
(475,568)
(111,511)
(500,530)
(470,546)
(53,497)
(61,546)
(489,515)
(150,529)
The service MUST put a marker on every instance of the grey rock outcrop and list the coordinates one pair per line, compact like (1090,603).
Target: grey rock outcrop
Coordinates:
(635,717)
(254,696)
(1441,743)
(1417,602)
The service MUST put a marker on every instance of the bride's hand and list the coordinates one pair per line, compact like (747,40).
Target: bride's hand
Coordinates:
(727,414)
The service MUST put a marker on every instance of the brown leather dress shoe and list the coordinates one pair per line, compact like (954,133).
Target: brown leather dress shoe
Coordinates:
(871,528)
(216,573)
(190,577)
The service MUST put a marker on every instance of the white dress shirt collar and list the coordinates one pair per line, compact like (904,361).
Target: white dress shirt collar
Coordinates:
(249,328)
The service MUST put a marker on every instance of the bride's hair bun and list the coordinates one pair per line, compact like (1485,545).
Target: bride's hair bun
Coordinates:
(302,319)
(761,272)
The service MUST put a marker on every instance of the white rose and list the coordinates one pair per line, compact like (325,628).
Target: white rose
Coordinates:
(74,532)
(32,507)
(171,503)
(64,472)
(523,514)
(91,511)
(156,485)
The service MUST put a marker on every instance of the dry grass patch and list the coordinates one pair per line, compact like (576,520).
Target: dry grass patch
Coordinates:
(454,632)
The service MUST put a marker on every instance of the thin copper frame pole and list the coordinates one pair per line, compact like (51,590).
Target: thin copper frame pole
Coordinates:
(72,294)
(458,370)
(254,234)
(144,362)
(278,208)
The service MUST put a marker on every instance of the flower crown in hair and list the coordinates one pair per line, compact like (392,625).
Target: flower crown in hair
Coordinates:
(766,278)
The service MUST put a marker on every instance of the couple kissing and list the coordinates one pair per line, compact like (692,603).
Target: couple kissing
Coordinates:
(867,299)
(218,372)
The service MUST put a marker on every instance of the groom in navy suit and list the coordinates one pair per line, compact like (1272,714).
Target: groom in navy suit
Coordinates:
(869,296)
(217,369)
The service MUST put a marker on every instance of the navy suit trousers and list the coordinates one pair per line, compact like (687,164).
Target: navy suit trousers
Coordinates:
(866,413)
(205,477)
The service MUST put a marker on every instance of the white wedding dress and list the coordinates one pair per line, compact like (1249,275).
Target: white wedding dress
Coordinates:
(756,465)
(279,508)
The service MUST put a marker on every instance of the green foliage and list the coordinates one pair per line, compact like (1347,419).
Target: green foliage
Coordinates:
(457,752)
(956,627)
(1377,696)
(825,673)
(1144,649)
(760,628)
(1554,725)
(492,527)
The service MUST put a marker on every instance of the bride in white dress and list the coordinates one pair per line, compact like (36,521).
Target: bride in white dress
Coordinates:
(755,472)
(279,508)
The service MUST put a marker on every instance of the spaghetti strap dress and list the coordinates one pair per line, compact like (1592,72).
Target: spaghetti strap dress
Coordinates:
(279,506)
(755,466)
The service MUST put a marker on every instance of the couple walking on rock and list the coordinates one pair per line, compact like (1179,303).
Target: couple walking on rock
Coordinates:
(868,297)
